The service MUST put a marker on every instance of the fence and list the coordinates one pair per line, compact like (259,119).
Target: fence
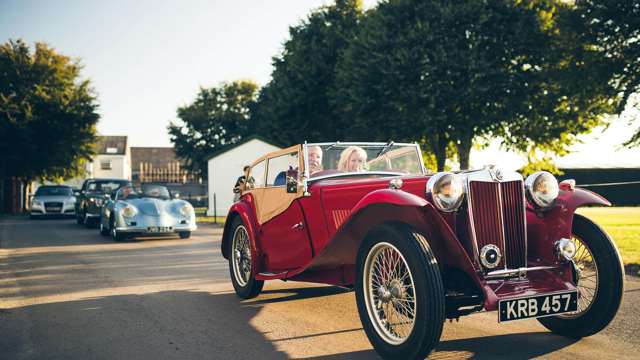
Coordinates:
(173,174)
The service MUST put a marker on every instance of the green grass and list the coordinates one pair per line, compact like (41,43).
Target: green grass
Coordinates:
(202,218)
(623,225)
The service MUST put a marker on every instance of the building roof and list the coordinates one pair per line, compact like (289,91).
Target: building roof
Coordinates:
(111,145)
(157,157)
(242,142)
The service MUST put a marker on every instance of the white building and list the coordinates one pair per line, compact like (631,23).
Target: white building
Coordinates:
(225,167)
(112,159)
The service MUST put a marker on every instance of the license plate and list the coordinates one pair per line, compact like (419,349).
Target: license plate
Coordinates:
(537,306)
(158,229)
(54,209)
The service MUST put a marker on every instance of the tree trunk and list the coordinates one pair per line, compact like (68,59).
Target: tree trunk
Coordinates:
(439,147)
(464,149)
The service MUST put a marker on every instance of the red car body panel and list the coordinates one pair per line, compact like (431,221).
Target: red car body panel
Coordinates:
(339,212)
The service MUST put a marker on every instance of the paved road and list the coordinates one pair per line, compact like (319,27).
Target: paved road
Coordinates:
(68,293)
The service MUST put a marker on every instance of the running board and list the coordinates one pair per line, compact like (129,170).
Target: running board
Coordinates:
(271,276)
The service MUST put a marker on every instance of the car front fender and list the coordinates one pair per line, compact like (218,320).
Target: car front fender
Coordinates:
(545,228)
(394,208)
(243,209)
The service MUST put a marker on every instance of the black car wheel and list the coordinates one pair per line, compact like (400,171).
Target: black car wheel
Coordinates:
(600,281)
(184,234)
(80,215)
(240,266)
(399,293)
(89,222)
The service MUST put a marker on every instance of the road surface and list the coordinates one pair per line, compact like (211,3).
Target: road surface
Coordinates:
(68,293)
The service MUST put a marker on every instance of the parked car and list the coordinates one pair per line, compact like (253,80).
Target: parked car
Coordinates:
(53,200)
(419,247)
(92,197)
(148,210)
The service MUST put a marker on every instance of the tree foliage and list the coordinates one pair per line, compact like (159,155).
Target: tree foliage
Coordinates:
(294,106)
(440,72)
(611,29)
(47,113)
(219,117)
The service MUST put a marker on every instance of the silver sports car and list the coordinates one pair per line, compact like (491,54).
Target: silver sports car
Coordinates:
(53,200)
(149,210)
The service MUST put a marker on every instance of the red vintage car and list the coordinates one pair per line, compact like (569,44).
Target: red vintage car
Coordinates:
(420,247)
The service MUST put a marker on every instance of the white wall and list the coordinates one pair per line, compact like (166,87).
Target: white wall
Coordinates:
(120,166)
(224,170)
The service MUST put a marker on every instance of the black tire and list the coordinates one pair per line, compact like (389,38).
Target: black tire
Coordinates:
(90,222)
(117,236)
(103,230)
(80,217)
(427,291)
(184,234)
(251,287)
(609,289)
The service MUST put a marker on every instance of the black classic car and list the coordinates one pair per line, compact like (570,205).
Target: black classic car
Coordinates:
(92,197)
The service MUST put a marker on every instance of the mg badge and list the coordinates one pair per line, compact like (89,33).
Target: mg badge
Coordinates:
(496,174)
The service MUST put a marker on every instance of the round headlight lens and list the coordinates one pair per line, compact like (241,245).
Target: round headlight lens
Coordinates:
(542,189)
(447,191)
(129,211)
(186,210)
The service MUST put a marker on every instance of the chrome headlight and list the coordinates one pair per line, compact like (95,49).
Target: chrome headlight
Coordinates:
(129,211)
(447,191)
(542,189)
(186,210)
(37,203)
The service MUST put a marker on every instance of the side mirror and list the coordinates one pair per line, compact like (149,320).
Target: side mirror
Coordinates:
(107,197)
(292,181)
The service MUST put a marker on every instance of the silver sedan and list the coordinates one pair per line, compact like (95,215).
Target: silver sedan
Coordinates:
(53,200)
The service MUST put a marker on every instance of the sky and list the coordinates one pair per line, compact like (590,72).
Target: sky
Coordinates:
(147,58)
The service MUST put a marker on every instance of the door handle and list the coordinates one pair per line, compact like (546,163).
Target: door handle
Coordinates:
(298,226)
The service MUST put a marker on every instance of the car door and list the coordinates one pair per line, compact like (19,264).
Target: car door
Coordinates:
(283,234)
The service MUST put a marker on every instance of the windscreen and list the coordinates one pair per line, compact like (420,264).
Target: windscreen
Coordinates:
(105,186)
(361,158)
(54,191)
(146,191)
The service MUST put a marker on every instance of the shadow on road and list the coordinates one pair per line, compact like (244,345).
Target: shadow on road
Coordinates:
(163,325)
(514,346)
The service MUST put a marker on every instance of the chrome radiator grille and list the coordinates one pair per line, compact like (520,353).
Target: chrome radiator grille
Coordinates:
(497,217)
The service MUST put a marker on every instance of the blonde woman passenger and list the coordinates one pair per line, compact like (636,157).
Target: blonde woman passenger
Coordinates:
(352,159)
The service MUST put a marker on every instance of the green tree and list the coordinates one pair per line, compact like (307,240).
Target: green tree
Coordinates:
(294,106)
(219,117)
(442,72)
(47,114)
(611,30)
(439,72)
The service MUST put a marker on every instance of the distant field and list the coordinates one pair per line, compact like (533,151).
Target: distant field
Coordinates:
(623,225)
(201,217)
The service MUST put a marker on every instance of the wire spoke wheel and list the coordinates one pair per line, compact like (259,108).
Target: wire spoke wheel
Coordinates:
(389,293)
(587,278)
(241,256)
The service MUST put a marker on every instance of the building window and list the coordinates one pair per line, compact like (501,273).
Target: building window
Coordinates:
(105,164)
